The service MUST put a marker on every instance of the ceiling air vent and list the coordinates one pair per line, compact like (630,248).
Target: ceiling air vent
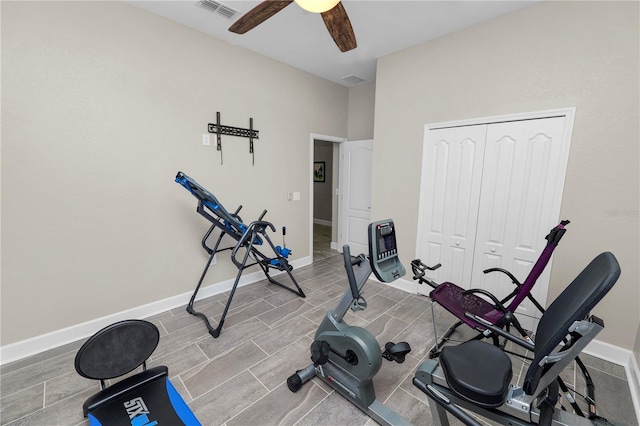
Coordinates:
(226,11)
(352,79)
(219,8)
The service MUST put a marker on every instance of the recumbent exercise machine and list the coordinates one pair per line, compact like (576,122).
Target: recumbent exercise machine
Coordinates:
(348,357)
(476,375)
(501,313)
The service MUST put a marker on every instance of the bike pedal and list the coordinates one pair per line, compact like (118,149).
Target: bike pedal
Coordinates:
(396,351)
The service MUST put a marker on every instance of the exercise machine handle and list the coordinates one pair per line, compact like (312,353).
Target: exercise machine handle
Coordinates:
(250,237)
(555,235)
(419,270)
(348,266)
(445,403)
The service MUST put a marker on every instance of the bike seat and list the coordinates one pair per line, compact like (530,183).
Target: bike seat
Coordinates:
(478,372)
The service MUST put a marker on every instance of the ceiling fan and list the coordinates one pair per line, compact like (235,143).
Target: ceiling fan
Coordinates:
(334,16)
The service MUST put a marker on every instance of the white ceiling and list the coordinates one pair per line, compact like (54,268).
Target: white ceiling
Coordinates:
(300,39)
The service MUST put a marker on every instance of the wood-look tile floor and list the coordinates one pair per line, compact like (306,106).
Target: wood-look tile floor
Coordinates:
(240,378)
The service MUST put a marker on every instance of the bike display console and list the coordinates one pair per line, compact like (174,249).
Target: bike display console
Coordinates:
(383,251)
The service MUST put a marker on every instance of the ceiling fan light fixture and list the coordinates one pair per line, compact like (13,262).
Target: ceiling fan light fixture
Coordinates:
(317,6)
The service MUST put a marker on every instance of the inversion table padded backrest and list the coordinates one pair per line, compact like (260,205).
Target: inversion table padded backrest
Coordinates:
(141,399)
(210,201)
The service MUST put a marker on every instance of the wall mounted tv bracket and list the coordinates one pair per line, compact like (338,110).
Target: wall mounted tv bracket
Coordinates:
(220,130)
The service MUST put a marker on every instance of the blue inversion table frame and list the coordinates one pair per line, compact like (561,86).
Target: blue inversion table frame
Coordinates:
(249,237)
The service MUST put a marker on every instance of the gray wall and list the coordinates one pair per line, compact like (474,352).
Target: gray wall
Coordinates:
(102,103)
(550,55)
(361,111)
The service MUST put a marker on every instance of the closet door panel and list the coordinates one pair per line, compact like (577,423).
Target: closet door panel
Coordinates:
(441,152)
(432,213)
(450,189)
(464,177)
(498,181)
(522,172)
(499,187)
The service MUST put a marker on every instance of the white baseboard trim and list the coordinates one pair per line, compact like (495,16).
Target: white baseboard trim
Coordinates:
(633,375)
(38,344)
(405,285)
(400,284)
(608,352)
(322,222)
(334,245)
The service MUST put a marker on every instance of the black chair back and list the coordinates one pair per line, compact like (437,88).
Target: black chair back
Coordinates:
(573,304)
(117,349)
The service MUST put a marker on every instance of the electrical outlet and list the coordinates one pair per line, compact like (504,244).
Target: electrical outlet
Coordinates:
(289,196)
(206,139)
(296,196)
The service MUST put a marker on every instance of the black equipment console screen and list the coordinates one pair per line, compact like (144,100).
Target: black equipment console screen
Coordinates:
(386,241)
(383,251)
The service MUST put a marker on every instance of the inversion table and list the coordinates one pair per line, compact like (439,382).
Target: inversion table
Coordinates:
(458,301)
(248,237)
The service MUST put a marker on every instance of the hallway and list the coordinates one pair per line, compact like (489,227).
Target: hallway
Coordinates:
(322,242)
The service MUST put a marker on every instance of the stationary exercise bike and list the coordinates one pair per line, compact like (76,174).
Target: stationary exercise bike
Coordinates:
(348,357)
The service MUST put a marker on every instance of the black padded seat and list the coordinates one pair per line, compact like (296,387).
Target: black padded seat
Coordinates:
(485,380)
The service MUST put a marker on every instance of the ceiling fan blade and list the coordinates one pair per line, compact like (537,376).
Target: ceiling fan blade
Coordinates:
(258,15)
(340,28)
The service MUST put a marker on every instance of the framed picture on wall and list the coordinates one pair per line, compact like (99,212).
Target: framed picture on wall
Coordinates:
(318,171)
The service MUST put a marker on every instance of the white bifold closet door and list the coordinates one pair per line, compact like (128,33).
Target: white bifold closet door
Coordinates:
(489,195)
(449,197)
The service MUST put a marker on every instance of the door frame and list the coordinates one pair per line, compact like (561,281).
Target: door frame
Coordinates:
(568,112)
(312,138)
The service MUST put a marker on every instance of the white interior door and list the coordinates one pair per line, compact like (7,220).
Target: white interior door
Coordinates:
(450,191)
(522,174)
(355,182)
